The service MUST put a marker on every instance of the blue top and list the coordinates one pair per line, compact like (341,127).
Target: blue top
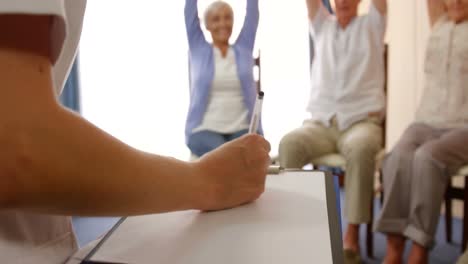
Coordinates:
(202,63)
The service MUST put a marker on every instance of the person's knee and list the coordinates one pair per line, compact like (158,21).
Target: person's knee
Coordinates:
(407,142)
(196,147)
(428,153)
(425,158)
(365,149)
(290,151)
(412,134)
(289,144)
(415,129)
(194,143)
(200,144)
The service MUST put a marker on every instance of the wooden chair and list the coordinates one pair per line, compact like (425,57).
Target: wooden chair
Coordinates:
(459,193)
(257,69)
(337,161)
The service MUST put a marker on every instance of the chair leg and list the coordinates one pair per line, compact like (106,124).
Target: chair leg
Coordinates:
(381,189)
(369,233)
(341,177)
(448,219)
(465,218)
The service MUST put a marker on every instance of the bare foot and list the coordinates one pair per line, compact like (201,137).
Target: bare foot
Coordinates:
(418,254)
(351,238)
(395,249)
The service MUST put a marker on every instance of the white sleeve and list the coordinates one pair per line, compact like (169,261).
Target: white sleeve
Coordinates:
(53,8)
(74,12)
(377,22)
(319,19)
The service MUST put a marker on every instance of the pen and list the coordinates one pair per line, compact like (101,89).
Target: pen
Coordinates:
(272,169)
(257,112)
(275,169)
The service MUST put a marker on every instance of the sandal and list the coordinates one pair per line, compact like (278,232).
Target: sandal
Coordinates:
(351,257)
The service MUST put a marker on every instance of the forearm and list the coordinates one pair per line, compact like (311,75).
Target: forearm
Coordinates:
(381,6)
(252,10)
(249,29)
(74,168)
(53,161)
(436,8)
(190,11)
(192,23)
(313,7)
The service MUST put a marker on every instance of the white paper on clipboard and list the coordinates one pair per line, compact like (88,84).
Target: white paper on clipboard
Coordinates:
(289,223)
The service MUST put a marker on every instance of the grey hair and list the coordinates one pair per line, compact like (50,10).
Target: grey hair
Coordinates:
(213,6)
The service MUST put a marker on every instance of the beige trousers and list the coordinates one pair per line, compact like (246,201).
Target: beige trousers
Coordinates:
(463,258)
(415,177)
(359,144)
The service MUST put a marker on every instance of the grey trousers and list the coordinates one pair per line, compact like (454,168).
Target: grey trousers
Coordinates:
(415,177)
(359,144)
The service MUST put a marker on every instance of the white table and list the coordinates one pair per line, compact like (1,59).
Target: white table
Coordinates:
(294,221)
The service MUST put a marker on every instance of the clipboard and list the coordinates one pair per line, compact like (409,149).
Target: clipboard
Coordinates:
(334,229)
(87,258)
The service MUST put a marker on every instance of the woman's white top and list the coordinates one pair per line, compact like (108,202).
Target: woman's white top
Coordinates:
(226,112)
(444,103)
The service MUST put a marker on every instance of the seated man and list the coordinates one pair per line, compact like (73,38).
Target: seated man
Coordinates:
(433,148)
(346,103)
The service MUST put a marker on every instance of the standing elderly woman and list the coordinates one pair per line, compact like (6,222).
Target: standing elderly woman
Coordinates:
(223,90)
(417,171)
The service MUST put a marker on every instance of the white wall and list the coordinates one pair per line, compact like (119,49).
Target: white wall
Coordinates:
(284,44)
(408,30)
(134,69)
(134,72)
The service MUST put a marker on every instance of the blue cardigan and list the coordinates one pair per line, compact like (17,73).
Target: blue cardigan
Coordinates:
(202,63)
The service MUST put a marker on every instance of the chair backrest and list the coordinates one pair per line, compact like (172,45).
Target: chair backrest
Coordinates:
(257,69)
(384,123)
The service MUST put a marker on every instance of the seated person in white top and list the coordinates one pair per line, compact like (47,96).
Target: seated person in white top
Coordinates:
(434,147)
(346,102)
(54,162)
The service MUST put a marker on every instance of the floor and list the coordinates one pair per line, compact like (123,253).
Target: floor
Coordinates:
(443,252)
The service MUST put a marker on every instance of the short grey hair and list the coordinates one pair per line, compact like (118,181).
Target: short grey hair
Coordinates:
(213,6)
